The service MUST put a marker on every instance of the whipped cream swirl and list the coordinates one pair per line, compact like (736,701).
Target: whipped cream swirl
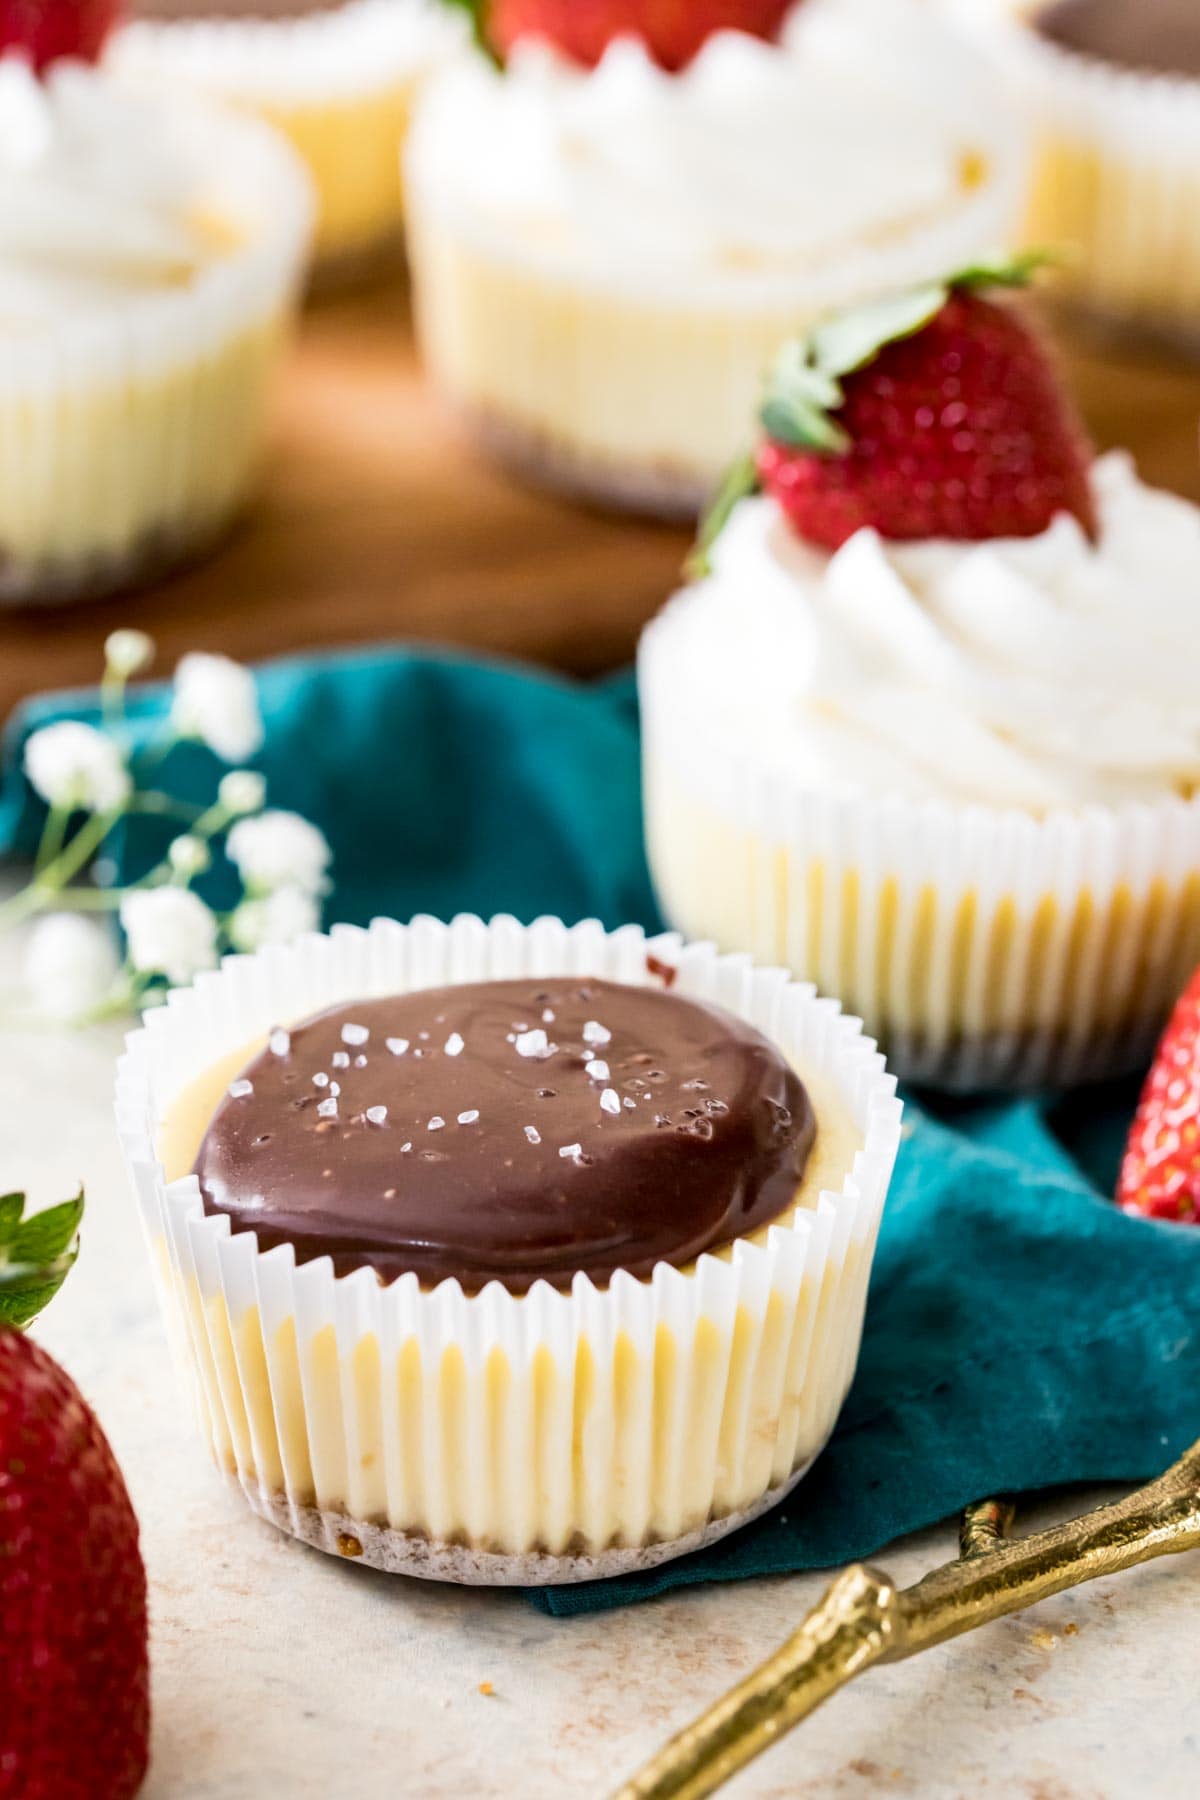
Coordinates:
(1037,673)
(760,159)
(98,203)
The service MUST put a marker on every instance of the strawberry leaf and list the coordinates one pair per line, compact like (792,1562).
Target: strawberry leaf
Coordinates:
(11,1208)
(36,1255)
(738,483)
(47,1235)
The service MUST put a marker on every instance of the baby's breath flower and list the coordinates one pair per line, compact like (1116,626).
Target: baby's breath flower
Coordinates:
(73,765)
(216,702)
(276,918)
(127,653)
(189,856)
(170,932)
(279,850)
(70,965)
(242,791)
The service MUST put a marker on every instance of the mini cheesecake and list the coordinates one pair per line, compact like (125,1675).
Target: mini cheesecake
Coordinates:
(1111,92)
(533,1276)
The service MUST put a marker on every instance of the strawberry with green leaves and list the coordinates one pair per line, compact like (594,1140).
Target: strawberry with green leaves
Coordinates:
(673,31)
(1160,1173)
(75,1696)
(42,31)
(937,413)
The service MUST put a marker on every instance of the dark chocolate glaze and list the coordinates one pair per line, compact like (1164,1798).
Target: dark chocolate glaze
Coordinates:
(1159,36)
(709,1139)
(171,10)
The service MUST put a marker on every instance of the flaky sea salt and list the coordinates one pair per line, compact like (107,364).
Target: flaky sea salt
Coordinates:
(340,1059)
(533,1134)
(405,1147)
(610,1101)
(360,1062)
(397,1046)
(436,1123)
(376,1115)
(548,1016)
(595,1033)
(574,1151)
(454,1045)
(335,1088)
(468,1118)
(597,1070)
(280,1042)
(535,1043)
(327,1109)
(320,1079)
(238,1090)
(355,1035)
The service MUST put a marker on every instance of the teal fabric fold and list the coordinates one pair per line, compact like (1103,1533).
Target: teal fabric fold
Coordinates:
(1021,1333)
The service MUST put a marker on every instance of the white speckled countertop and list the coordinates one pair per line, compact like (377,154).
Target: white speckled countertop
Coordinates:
(280,1672)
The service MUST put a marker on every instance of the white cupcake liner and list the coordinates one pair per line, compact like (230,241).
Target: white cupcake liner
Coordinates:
(984,948)
(499,1438)
(1116,179)
(128,438)
(621,381)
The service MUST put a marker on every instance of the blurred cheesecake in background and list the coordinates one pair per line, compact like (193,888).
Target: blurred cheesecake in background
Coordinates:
(1112,92)
(337,79)
(143,299)
(610,237)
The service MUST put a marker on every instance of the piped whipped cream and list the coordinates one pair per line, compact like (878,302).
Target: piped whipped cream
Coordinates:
(97,202)
(862,125)
(1037,673)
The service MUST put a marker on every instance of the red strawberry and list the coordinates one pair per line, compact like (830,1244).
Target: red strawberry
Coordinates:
(672,30)
(934,415)
(44,30)
(1160,1174)
(74,1689)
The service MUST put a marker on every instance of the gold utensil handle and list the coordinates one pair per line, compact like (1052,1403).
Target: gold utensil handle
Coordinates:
(865,1619)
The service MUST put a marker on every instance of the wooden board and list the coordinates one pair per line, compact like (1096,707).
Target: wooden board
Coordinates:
(376,521)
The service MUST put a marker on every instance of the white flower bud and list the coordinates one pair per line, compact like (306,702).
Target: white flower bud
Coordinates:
(127,653)
(277,918)
(75,766)
(242,792)
(278,850)
(170,932)
(216,702)
(189,856)
(70,965)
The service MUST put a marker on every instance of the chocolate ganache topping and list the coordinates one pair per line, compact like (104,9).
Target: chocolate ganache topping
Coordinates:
(1159,36)
(510,1131)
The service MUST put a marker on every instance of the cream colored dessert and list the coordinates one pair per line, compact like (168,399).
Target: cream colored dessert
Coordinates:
(958,785)
(339,80)
(142,303)
(1115,176)
(502,1436)
(605,260)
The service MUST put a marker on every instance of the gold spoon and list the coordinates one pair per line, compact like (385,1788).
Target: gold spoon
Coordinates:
(864,1618)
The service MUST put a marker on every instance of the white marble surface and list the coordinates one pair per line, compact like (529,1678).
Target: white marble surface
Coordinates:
(280,1672)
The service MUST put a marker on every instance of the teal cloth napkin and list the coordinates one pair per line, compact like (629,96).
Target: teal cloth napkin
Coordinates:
(1021,1333)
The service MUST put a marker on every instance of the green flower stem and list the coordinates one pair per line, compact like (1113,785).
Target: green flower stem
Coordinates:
(112,698)
(49,881)
(53,833)
(165,806)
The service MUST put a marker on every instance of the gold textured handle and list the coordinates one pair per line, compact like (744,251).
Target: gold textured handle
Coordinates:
(865,1619)
(850,1629)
